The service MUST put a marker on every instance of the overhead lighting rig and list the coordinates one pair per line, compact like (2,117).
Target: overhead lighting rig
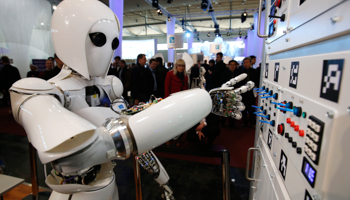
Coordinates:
(204,5)
(244,16)
(208,34)
(159,12)
(155,3)
(211,9)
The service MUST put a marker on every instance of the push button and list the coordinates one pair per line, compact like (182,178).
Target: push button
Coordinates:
(290,140)
(314,147)
(286,135)
(294,144)
(299,150)
(289,120)
(296,128)
(317,128)
(315,137)
(292,124)
(301,133)
(280,129)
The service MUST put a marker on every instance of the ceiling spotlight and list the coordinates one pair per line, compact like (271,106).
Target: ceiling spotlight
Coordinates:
(228,34)
(204,5)
(155,3)
(42,23)
(188,34)
(252,27)
(208,34)
(244,16)
(137,5)
(240,32)
(169,1)
(159,12)
(169,19)
(242,2)
(177,8)
(54,7)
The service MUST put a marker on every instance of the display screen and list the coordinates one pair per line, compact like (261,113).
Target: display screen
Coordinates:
(271,29)
(309,172)
(272,11)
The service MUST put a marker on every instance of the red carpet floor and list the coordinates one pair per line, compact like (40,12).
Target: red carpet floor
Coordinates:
(237,141)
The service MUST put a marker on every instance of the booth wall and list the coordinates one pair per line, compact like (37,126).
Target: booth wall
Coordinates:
(25,31)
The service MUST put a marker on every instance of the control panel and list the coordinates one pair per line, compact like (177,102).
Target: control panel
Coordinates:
(304,109)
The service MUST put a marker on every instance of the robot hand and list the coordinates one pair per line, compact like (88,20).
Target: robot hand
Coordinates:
(150,162)
(228,102)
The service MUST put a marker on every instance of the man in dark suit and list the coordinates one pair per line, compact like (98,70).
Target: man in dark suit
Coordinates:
(161,72)
(152,86)
(248,97)
(138,92)
(228,74)
(219,68)
(8,75)
(122,75)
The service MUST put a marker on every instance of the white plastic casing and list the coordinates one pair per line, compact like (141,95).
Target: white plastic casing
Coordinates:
(169,118)
(71,24)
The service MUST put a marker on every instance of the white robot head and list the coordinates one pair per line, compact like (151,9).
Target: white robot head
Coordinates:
(85,34)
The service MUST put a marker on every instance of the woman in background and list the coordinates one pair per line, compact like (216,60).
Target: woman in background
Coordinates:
(176,80)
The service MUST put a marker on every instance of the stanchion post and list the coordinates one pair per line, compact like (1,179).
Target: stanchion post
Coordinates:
(225,161)
(137,175)
(33,172)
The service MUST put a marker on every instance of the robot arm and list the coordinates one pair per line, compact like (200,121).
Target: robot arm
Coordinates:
(228,102)
(150,162)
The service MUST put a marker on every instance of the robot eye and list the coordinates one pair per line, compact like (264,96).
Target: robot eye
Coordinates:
(98,39)
(115,43)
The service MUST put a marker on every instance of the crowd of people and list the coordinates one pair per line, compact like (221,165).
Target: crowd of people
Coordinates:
(141,83)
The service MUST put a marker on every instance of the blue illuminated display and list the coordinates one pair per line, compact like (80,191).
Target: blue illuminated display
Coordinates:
(309,172)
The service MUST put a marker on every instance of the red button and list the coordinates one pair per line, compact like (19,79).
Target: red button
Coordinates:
(289,120)
(292,124)
(277,3)
(280,128)
(296,128)
(301,133)
(274,21)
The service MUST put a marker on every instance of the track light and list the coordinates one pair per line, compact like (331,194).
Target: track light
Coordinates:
(159,12)
(169,19)
(252,27)
(188,34)
(204,5)
(244,16)
(155,3)
(54,7)
(228,34)
(169,1)
(208,34)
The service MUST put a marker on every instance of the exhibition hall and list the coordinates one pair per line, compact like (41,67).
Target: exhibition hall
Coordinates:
(174,99)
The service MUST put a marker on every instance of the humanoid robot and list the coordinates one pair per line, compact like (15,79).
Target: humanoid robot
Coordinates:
(73,120)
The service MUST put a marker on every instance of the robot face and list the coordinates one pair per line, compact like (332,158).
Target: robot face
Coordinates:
(100,43)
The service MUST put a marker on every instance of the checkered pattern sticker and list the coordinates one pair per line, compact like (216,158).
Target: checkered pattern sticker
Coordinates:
(266,70)
(294,70)
(331,79)
(277,69)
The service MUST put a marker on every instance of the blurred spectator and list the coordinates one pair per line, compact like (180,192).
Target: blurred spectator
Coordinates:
(170,66)
(56,70)
(122,75)
(209,76)
(161,72)
(8,75)
(228,74)
(253,60)
(114,66)
(176,80)
(194,76)
(51,58)
(205,65)
(46,74)
(33,71)
(219,68)
(151,80)
(138,92)
(248,97)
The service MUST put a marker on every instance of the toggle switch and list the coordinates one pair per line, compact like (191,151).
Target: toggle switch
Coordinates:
(264,116)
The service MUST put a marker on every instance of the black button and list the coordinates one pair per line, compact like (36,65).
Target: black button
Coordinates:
(286,135)
(299,150)
(294,144)
(290,140)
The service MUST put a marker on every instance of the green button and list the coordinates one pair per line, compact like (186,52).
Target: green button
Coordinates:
(304,115)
